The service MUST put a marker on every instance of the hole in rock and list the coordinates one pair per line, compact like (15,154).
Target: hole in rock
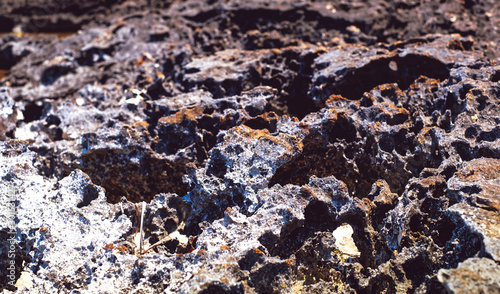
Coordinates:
(401,70)
(483,103)
(343,129)
(33,111)
(298,102)
(464,150)
(90,193)
(261,19)
(269,240)
(51,74)
(260,123)
(463,244)
(216,165)
(488,152)
(471,132)
(250,258)
(92,55)
(290,23)
(290,243)
(292,81)
(417,269)
(6,24)
(358,173)
(61,27)
(296,92)
(218,288)
(139,177)
(386,142)
(445,230)
(495,77)
(317,216)
(269,278)
(416,223)
(490,136)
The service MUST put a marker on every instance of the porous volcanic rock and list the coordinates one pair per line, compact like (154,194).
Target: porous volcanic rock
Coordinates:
(471,277)
(249,146)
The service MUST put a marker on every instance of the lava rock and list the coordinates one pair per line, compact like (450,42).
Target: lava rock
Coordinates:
(249,147)
(473,275)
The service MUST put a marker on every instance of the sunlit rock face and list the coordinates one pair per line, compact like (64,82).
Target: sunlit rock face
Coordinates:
(249,147)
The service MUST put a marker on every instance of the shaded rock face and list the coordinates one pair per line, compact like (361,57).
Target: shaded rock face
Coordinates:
(279,147)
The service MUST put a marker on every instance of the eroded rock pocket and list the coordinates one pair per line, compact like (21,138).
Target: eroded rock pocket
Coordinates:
(134,174)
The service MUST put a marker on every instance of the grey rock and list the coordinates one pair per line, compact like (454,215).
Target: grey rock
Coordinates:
(474,275)
(275,147)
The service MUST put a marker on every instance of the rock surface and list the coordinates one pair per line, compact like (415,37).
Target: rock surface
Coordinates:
(475,275)
(277,147)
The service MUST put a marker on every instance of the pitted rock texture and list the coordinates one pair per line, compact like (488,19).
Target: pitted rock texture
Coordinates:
(470,276)
(268,147)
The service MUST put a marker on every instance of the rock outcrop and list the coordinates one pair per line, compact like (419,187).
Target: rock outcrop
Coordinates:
(283,147)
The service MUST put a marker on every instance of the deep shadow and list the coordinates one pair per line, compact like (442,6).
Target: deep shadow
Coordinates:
(138,181)
(358,173)
(401,70)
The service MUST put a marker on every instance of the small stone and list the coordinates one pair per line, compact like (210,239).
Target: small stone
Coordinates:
(344,241)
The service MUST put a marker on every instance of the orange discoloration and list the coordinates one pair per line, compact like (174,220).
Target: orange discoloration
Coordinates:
(109,246)
(145,57)
(428,182)
(3,73)
(247,131)
(425,133)
(384,87)
(275,140)
(397,43)
(258,251)
(122,249)
(488,172)
(224,247)
(431,181)
(333,114)
(184,114)
(160,75)
(291,143)
(366,205)
(495,205)
(141,124)
(417,84)
(320,50)
(139,62)
(276,50)
(337,97)
(403,111)
(333,99)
